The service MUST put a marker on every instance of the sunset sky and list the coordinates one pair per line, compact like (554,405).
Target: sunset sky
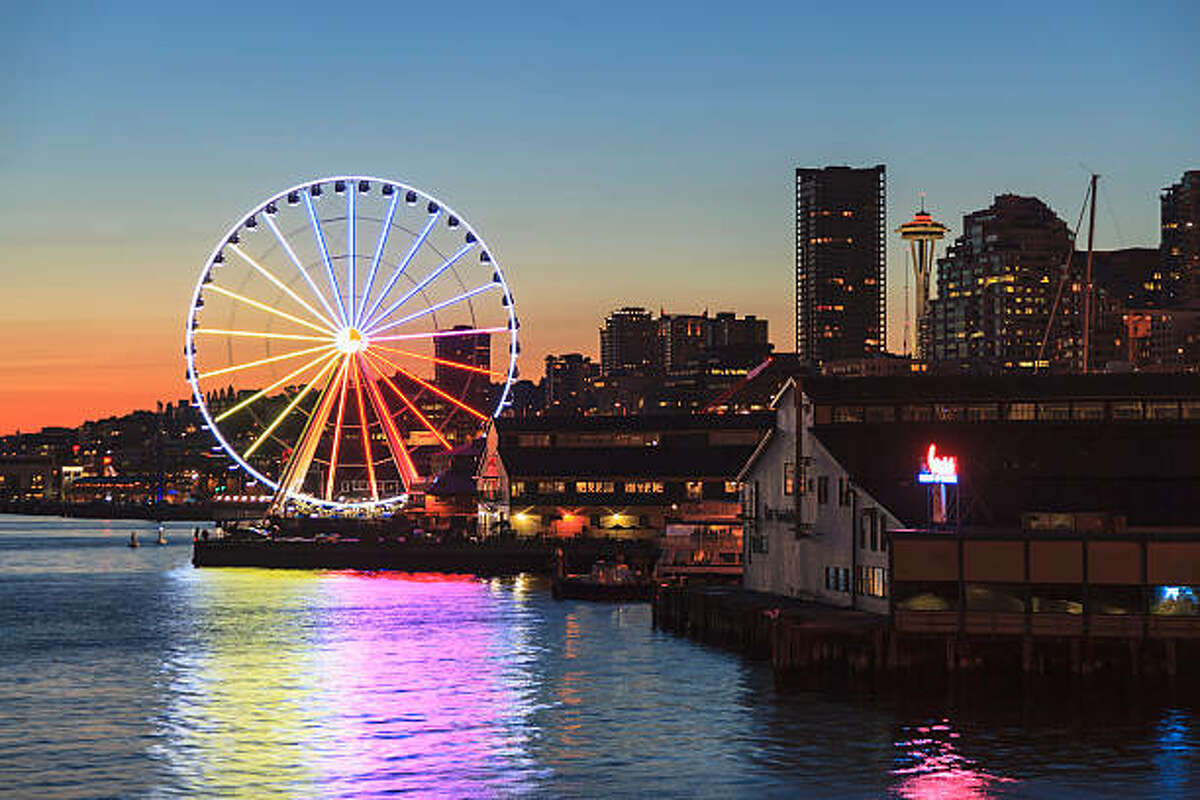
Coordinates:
(622,154)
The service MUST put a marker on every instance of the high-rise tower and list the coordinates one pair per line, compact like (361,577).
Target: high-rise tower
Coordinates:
(841,267)
(922,234)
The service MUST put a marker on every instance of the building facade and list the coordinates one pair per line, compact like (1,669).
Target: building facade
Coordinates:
(1180,246)
(809,530)
(671,479)
(841,262)
(629,341)
(568,383)
(995,288)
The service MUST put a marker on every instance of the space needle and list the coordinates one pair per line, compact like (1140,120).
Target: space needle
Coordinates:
(921,233)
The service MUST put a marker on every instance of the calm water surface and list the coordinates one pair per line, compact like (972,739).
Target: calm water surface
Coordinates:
(127,673)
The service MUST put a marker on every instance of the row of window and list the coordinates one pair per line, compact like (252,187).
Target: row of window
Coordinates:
(714,438)
(1016,412)
(1105,600)
(693,490)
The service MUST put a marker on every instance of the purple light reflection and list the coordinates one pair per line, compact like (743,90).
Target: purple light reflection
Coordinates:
(935,770)
(413,697)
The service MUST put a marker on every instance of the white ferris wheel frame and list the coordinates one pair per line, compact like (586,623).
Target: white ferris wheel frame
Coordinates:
(351,182)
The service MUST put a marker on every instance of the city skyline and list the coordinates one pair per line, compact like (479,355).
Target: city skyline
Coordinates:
(647,168)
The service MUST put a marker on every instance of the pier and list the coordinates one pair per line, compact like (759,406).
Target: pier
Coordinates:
(802,639)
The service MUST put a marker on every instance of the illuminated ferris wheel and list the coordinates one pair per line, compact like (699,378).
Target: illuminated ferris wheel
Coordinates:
(346,334)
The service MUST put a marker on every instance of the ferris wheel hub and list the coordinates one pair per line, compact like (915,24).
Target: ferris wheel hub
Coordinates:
(350,341)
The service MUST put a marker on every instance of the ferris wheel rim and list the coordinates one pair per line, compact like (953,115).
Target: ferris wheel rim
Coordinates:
(193,374)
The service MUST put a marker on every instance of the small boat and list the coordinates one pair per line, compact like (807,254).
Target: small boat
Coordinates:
(162,534)
(133,542)
(607,582)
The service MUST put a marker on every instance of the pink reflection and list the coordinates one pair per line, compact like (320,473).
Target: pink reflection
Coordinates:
(937,771)
(413,691)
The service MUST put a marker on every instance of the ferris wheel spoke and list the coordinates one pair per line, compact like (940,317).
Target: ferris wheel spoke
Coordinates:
(395,442)
(283,286)
(351,241)
(444,361)
(337,429)
(261,361)
(287,247)
(317,232)
(412,407)
(435,307)
(428,279)
(270,309)
(366,436)
(261,393)
(449,397)
(262,334)
(379,247)
(262,437)
(306,447)
(404,262)
(437,334)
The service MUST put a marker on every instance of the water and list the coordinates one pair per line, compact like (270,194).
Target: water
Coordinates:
(128,673)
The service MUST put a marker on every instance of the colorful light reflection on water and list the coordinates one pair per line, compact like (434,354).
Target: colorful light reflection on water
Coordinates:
(932,768)
(129,673)
(343,684)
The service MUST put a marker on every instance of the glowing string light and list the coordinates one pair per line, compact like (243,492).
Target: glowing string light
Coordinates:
(436,307)
(282,381)
(411,407)
(366,437)
(287,410)
(282,286)
(428,279)
(431,387)
(404,262)
(242,298)
(379,248)
(299,267)
(316,226)
(261,361)
(445,361)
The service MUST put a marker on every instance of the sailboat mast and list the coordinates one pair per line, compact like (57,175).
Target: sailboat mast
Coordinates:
(1087,302)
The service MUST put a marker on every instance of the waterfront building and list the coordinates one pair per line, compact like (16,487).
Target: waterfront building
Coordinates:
(671,479)
(810,531)
(841,262)
(1122,445)
(1180,247)
(1050,579)
(995,289)
(629,342)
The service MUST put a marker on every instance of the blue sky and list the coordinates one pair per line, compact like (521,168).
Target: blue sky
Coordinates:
(613,154)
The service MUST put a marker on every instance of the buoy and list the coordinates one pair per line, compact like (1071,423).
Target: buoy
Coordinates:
(133,542)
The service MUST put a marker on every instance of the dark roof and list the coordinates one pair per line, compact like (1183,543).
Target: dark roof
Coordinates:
(647,463)
(641,422)
(930,388)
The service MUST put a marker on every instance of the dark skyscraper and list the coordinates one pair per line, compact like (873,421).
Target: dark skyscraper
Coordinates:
(841,265)
(1181,241)
(629,341)
(996,286)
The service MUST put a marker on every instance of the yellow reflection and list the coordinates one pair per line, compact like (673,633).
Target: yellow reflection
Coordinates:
(244,686)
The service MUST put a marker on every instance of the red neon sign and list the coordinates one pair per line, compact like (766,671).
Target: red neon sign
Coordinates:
(938,469)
